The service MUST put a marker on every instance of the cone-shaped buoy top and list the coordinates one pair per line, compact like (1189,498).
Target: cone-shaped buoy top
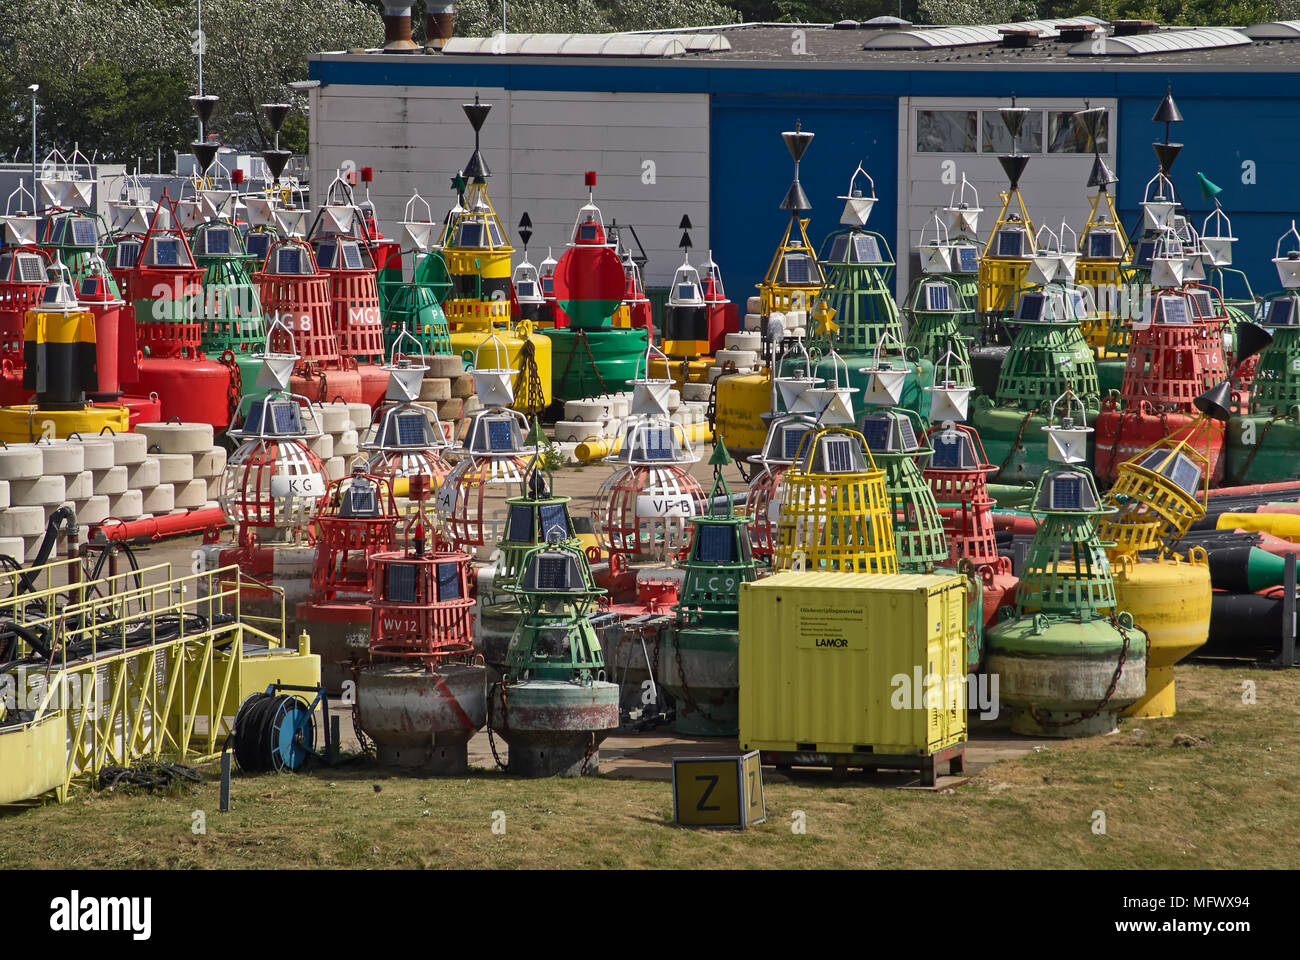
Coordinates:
(1167,153)
(685,224)
(1090,120)
(1014,118)
(1216,403)
(1168,111)
(535,435)
(1101,174)
(797,140)
(685,242)
(205,152)
(525,222)
(1250,339)
(477,168)
(1209,189)
(721,455)
(1014,165)
(795,199)
(477,112)
(525,235)
(203,106)
(276,114)
(276,161)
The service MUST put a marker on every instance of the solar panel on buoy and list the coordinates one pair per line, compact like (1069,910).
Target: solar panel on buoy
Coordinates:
(552,573)
(448,582)
(791,438)
(717,543)
(412,429)
(553,520)
(500,437)
(401,582)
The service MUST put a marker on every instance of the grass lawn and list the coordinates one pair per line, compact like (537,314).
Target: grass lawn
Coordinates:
(1224,796)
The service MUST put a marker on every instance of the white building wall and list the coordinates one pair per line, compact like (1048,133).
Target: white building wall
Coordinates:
(650,153)
(1054,185)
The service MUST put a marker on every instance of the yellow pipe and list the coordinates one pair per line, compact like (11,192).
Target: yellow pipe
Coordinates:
(1284,525)
(590,450)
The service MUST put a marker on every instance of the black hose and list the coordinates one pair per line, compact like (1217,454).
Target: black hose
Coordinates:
(254,733)
(62,517)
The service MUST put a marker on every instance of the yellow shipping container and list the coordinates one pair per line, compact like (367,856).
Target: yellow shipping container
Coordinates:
(847,669)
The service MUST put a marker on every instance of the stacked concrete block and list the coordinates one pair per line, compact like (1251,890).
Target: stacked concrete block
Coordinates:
(337,446)
(793,322)
(188,462)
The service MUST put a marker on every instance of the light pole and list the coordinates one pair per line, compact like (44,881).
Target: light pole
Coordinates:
(32,90)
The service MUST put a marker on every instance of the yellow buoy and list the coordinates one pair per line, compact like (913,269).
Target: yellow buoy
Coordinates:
(1170,600)
(742,399)
(27,424)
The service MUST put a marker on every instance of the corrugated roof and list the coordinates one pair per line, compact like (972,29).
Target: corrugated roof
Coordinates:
(938,37)
(1162,41)
(1274,30)
(588,44)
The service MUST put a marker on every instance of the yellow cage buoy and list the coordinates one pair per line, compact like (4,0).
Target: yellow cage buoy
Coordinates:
(835,513)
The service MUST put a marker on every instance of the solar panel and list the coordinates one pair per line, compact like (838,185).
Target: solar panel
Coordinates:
(1066,492)
(448,582)
(658,443)
(325,255)
(1201,306)
(840,248)
(127,253)
(258,244)
(412,429)
(352,256)
(520,527)
(494,234)
(908,434)
(548,286)
(253,422)
(791,437)
(1010,243)
(1173,310)
(950,452)
(166,251)
(287,417)
(1281,312)
(938,296)
(715,543)
(217,241)
(968,260)
(552,573)
(471,234)
(797,268)
(686,291)
(400,582)
(1146,250)
(1031,306)
(1186,474)
(89,288)
(838,454)
(588,231)
(554,519)
(876,432)
(1101,245)
(500,436)
(31,269)
(526,288)
(83,232)
(288,260)
(362,500)
(866,249)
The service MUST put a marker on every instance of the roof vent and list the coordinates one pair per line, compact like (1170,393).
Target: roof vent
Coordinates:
(1075,34)
(886,23)
(1129,28)
(1018,37)
(845,25)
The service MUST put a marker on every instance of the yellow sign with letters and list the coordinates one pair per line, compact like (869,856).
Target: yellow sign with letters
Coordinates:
(718,791)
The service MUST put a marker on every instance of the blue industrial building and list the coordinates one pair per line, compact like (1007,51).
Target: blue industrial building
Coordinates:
(914,105)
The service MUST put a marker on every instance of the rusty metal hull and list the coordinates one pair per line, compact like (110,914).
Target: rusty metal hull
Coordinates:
(421,720)
(1046,694)
(339,632)
(554,727)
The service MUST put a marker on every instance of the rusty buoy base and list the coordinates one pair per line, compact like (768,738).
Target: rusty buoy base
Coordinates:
(340,632)
(422,721)
(554,727)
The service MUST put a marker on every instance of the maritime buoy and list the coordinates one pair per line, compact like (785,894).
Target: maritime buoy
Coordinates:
(553,705)
(420,697)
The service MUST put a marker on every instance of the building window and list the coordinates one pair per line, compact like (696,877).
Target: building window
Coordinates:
(1067,136)
(997,140)
(945,131)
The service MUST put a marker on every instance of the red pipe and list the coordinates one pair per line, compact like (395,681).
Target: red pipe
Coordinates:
(1014,523)
(1277,486)
(154,528)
